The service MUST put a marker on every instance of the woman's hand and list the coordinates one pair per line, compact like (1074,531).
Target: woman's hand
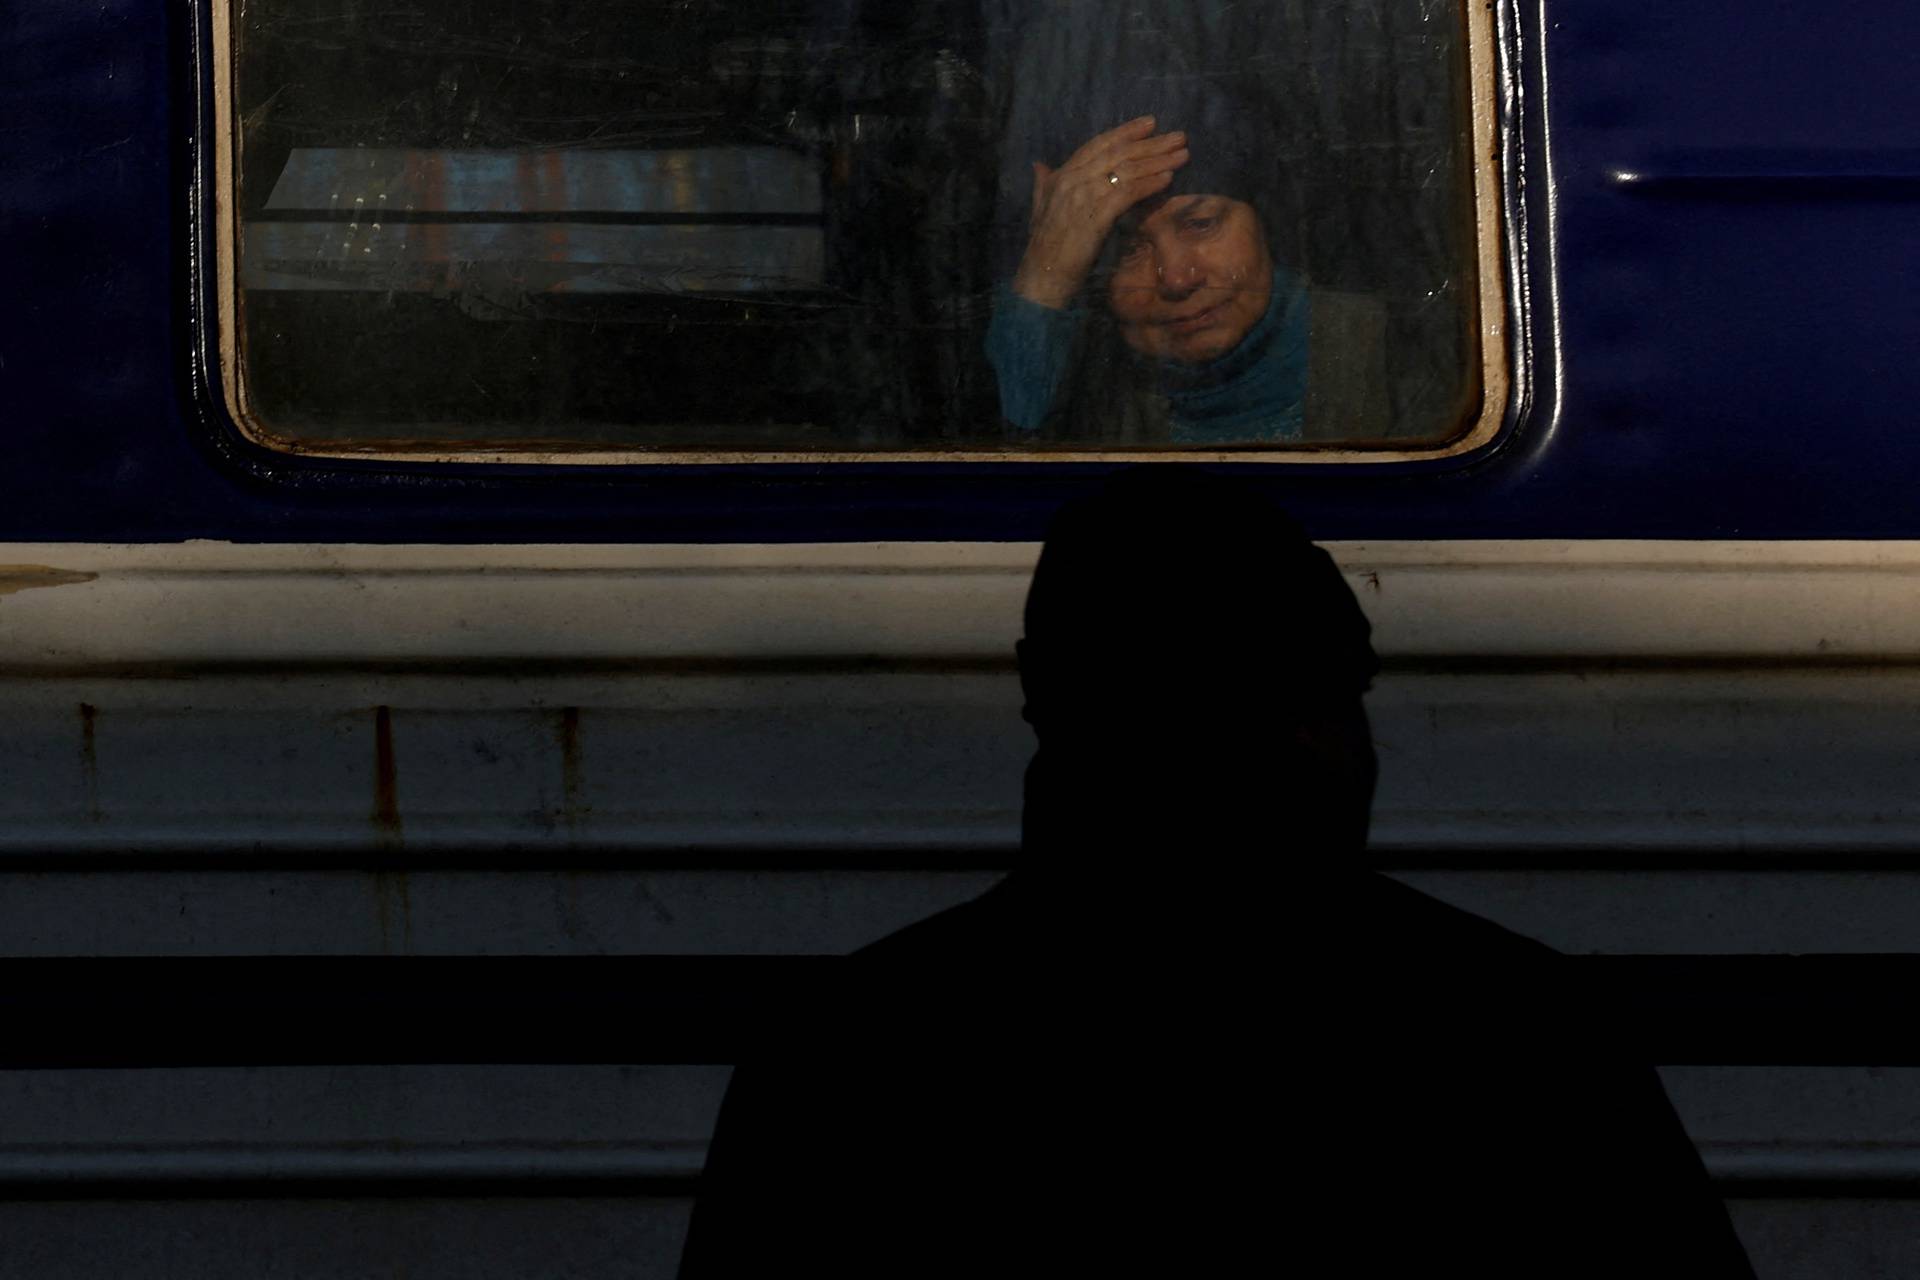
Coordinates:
(1076,205)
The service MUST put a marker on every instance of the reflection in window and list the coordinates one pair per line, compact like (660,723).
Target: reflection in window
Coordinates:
(800,225)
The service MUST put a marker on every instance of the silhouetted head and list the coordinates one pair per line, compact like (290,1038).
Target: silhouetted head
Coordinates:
(1193,666)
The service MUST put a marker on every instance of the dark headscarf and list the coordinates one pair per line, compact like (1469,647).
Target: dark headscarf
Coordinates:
(1231,143)
(1085,66)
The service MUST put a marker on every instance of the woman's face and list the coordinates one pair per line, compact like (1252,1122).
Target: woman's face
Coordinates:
(1194,277)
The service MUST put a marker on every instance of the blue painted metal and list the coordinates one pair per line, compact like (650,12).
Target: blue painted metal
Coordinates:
(1725,351)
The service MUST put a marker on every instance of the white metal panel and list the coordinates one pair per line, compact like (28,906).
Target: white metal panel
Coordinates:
(213,697)
(219,602)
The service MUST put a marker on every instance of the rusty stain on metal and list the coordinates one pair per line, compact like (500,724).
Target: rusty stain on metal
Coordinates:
(567,730)
(386,783)
(391,889)
(25,577)
(89,761)
(394,889)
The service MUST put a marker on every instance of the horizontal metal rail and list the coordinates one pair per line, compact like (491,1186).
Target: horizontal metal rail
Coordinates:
(140,1012)
(672,1170)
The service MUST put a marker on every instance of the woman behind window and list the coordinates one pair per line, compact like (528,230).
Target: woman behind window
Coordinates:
(1149,305)
(1157,286)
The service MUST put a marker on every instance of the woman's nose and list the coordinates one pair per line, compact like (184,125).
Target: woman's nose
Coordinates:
(1181,272)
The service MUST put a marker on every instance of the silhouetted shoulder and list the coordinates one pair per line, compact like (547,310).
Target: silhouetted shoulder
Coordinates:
(1402,919)
(980,930)
(1414,965)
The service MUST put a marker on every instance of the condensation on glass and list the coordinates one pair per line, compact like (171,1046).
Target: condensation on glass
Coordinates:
(594,230)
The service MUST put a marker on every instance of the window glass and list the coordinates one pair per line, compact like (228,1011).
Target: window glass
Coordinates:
(856,226)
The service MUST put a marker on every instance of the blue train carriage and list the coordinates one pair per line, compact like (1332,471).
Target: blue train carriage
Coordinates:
(493,480)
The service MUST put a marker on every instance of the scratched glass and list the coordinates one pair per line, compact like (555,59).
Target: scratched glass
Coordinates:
(602,227)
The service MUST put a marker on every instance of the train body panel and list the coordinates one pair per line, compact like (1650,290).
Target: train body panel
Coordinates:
(1708,215)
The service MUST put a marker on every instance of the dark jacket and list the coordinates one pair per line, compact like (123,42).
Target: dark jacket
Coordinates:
(1367,1076)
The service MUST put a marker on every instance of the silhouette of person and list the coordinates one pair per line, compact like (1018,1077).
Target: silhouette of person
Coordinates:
(1190,1031)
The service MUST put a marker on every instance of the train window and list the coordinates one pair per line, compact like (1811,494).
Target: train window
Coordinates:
(600,230)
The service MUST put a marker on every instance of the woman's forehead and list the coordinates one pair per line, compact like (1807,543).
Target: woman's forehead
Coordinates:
(1172,206)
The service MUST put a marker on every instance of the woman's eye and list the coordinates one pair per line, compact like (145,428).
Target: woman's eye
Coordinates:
(1133,248)
(1201,224)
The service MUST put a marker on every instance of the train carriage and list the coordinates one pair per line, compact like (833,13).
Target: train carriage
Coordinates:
(504,479)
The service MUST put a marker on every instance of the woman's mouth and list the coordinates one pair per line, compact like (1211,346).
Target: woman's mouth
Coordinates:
(1195,320)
